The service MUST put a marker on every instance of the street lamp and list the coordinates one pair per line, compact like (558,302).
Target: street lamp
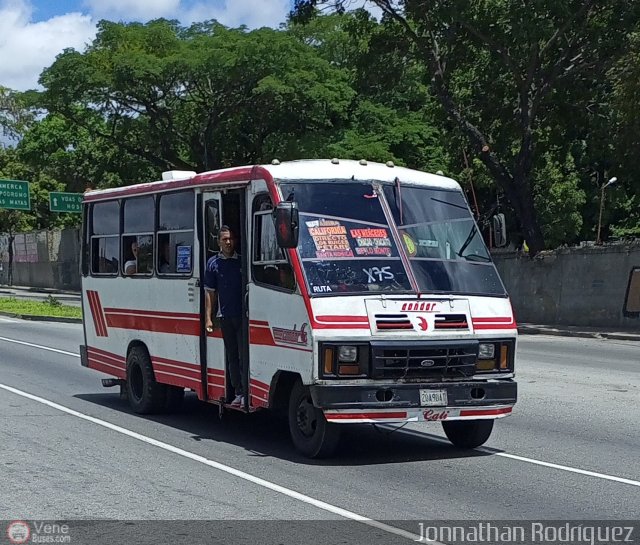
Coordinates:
(604,186)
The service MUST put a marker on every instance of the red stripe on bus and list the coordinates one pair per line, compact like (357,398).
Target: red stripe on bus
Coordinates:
(495,326)
(508,319)
(343,319)
(260,384)
(99,314)
(158,313)
(109,369)
(486,412)
(258,402)
(105,353)
(176,370)
(103,324)
(214,379)
(188,365)
(155,324)
(92,297)
(242,174)
(359,416)
(214,391)
(109,359)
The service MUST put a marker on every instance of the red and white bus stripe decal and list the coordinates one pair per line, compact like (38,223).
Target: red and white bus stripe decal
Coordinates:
(107,362)
(215,383)
(96,313)
(499,322)
(260,334)
(341,322)
(160,322)
(364,416)
(485,412)
(259,393)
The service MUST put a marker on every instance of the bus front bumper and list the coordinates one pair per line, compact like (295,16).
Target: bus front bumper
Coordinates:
(416,402)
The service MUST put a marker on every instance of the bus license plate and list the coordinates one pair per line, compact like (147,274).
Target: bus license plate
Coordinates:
(433,398)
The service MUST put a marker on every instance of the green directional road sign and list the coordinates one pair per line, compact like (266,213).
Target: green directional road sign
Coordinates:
(65,202)
(14,194)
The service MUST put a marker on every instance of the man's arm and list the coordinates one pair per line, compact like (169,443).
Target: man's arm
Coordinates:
(209,304)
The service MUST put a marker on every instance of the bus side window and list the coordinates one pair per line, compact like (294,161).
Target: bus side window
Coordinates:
(269,263)
(105,238)
(176,215)
(137,236)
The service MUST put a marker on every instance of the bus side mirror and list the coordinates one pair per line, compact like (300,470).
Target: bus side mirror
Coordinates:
(285,218)
(499,230)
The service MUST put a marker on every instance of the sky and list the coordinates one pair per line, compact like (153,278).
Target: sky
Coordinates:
(33,32)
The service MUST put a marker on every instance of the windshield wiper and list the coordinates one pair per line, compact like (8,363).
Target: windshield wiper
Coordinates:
(471,257)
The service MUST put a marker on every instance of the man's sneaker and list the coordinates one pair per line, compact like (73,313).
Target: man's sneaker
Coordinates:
(238,401)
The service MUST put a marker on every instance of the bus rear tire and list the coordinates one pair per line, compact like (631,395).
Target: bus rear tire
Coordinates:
(145,395)
(468,433)
(311,434)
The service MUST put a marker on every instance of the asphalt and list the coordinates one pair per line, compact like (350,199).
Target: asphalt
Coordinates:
(569,451)
(72,298)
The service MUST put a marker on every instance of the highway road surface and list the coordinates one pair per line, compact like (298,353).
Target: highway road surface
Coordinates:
(71,449)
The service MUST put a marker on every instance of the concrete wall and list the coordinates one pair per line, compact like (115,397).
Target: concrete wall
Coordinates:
(572,286)
(46,259)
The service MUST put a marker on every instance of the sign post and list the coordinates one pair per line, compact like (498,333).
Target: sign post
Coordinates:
(14,195)
(65,202)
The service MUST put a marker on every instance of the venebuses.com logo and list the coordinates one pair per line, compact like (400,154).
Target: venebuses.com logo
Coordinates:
(18,532)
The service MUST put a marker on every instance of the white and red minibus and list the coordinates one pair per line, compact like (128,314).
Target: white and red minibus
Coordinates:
(370,297)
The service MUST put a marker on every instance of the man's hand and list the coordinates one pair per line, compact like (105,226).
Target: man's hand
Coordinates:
(209,325)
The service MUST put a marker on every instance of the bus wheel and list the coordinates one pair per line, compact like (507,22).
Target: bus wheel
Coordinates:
(310,432)
(144,393)
(468,433)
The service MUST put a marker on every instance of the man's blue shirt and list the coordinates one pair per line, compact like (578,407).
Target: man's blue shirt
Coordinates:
(224,275)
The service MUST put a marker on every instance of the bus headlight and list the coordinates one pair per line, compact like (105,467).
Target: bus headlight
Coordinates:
(497,356)
(347,354)
(486,351)
(344,361)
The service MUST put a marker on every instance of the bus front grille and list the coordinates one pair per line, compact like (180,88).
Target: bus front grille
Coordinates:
(424,360)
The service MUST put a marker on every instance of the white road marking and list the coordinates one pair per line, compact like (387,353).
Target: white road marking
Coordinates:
(8,320)
(40,347)
(221,467)
(495,452)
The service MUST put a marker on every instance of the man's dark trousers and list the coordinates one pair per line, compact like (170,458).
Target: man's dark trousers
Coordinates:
(232,335)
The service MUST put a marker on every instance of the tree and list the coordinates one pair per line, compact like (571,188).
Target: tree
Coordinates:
(199,98)
(495,67)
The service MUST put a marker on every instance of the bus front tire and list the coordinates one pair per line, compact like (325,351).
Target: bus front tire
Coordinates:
(145,394)
(311,434)
(468,433)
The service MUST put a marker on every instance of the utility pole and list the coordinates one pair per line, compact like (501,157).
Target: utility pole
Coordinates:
(602,193)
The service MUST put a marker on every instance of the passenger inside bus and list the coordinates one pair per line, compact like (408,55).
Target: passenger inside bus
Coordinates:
(139,258)
(131,265)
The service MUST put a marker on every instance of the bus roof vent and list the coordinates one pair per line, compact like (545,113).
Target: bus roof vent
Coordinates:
(363,162)
(275,162)
(177,175)
(335,161)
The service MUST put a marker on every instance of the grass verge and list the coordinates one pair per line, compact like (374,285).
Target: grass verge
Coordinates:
(51,307)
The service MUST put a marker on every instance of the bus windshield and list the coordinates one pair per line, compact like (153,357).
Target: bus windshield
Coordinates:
(445,248)
(346,244)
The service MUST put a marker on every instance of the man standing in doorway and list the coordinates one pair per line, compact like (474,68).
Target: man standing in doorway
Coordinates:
(223,283)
